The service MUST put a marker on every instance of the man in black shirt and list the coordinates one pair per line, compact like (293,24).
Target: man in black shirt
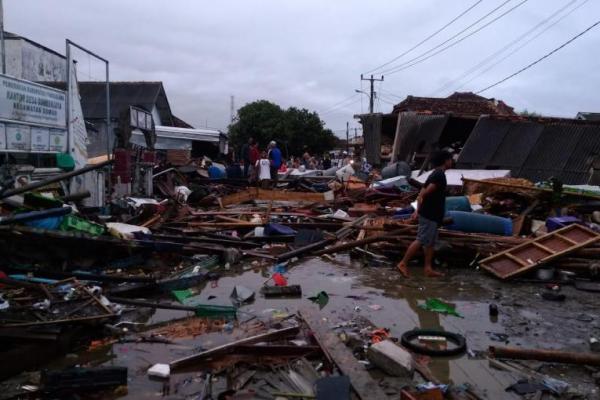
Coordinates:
(431,207)
(245,155)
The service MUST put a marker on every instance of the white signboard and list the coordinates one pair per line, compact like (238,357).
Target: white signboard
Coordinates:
(26,101)
(40,140)
(2,136)
(18,137)
(58,140)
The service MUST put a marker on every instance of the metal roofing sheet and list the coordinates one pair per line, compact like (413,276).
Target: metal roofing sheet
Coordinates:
(416,133)
(535,150)
(481,145)
(516,145)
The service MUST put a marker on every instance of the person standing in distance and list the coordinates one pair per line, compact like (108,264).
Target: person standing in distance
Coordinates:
(431,207)
(275,158)
(246,156)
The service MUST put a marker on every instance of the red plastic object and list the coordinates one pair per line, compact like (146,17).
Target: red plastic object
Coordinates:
(279,279)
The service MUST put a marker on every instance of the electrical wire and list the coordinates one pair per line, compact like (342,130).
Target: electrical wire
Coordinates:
(455,35)
(541,58)
(410,64)
(426,39)
(391,94)
(340,108)
(493,56)
(520,47)
(340,102)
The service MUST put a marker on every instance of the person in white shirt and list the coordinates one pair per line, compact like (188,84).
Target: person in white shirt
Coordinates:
(263,167)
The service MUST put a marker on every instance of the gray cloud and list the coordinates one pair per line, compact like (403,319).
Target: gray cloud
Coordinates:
(310,53)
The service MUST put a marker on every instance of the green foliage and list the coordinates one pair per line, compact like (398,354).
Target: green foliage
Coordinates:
(526,113)
(295,130)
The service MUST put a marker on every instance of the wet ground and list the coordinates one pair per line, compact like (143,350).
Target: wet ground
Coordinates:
(390,301)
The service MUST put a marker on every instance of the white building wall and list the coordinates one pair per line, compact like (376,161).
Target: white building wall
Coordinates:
(156,116)
(41,65)
(25,60)
(14,59)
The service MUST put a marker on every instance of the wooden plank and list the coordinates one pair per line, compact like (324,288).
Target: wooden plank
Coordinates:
(215,351)
(280,195)
(542,247)
(580,237)
(517,259)
(566,239)
(272,195)
(239,197)
(362,383)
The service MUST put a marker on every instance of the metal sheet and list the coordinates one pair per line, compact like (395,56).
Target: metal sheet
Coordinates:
(372,137)
(417,133)
(481,145)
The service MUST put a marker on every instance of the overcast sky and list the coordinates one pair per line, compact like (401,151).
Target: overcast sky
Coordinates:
(310,53)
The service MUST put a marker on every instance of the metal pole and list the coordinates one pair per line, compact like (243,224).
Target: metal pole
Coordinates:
(347,137)
(2,37)
(371,97)
(68,99)
(108,152)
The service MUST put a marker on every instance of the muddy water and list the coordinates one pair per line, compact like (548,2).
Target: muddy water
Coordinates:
(468,290)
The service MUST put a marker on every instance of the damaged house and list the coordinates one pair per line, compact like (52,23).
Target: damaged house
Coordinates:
(486,134)
(418,124)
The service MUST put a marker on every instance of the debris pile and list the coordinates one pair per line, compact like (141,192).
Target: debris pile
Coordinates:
(86,277)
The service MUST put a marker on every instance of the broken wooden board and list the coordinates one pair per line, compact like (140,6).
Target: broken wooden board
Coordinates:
(274,195)
(533,253)
(219,350)
(362,383)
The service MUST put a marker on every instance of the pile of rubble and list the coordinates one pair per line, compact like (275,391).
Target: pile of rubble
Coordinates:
(82,277)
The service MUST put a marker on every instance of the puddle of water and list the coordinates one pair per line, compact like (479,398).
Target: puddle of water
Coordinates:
(383,287)
(399,300)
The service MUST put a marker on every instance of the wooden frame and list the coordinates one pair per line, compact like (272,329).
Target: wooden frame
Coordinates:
(533,253)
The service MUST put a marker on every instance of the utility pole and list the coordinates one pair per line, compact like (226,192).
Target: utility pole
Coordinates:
(231,109)
(355,134)
(372,93)
(347,137)
(2,37)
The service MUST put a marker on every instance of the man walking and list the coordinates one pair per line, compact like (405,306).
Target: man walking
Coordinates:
(246,157)
(431,207)
(275,158)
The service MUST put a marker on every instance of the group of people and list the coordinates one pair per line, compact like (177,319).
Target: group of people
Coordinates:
(262,166)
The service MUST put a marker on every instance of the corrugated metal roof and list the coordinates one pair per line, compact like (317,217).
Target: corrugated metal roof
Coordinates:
(535,149)
(416,133)
(483,142)
(550,154)
(516,145)
(122,95)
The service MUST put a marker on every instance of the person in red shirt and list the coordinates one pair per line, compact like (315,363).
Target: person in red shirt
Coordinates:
(254,157)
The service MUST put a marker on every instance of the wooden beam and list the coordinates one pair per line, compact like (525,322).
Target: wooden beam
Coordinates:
(265,337)
(273,195)
(364,386)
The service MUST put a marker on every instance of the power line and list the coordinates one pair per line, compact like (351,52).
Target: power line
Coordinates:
(339,103)
(390,93)
(341,106)
(491,57)
(521,46)
(426,39)
(408,64)
(456,34)
(541,58)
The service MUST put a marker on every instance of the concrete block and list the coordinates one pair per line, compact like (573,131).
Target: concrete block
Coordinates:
(391,358)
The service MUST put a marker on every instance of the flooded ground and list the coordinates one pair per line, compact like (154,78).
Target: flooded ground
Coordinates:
(389,301)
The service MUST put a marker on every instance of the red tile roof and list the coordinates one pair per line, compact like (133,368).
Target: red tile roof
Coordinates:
(465,103)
